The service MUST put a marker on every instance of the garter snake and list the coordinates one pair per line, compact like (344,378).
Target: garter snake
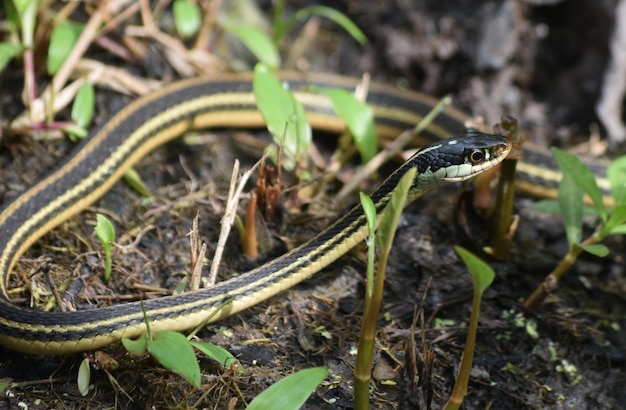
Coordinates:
(221,102)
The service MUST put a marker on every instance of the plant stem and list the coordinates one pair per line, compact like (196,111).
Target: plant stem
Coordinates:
(365,356)
(535,300)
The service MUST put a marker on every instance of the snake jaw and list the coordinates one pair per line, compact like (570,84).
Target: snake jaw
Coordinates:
(464,157)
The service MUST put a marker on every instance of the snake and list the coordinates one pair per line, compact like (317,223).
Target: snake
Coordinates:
(450,154)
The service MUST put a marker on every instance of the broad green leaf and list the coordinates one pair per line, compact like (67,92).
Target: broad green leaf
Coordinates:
(334,15)
(393,210)
(283,114)
(258,43)
(359,118)
(597,249)
(583,177)
(174,352)
(618,230)
(84,105)
(7,52)
(481,273)
(217,353)
(62,41)
(138,346)
(291,392)
(571,203)
(105,230)
(616,173)
(618,217)
(187,17)
(84,377)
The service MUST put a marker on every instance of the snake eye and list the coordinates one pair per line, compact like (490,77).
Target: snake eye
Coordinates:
(476,156)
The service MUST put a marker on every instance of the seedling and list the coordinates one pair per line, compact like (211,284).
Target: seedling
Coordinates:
(106,234)
(383,239)
(482,277)
(579,180)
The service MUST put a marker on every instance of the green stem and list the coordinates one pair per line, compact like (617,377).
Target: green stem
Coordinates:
(535,300)
(365,355)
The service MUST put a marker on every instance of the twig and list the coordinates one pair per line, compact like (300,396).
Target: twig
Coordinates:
(229,215)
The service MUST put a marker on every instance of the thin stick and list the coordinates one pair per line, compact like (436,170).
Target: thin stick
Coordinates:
(229,215)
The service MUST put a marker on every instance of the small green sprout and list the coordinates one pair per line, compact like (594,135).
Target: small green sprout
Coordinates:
(383,239)
(187,17)
(282,25)
(106,234)
(84,377)
(578,180)
(82,112)
(482,277)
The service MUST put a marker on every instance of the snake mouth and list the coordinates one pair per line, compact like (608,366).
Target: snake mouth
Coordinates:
(475,159)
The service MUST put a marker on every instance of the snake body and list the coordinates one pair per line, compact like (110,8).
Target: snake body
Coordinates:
(156,118)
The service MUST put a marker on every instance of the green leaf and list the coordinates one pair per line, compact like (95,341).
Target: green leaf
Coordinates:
(134,180)
(7,52)
(370,211)
(551,206)
(5,382)
(27,11)
(393,210)
(84,377)
(291,392)
(370,215)
(138,346)
(62,41)
(618,230)
(12,16)
(546,206)
(187,17)
(84,104)
(105,230)
(597,249)
(583,177)
(334,15)
(618,217)
(616,174)
(284,116)
(571,203)
(174,352)
(217,353)
(482,274)
(359,118)
(257,42)
(74,132)
(106,234)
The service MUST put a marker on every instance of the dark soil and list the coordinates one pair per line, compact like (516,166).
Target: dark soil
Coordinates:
(539,61)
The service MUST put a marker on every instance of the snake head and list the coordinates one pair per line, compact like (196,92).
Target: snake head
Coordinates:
(462,157)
